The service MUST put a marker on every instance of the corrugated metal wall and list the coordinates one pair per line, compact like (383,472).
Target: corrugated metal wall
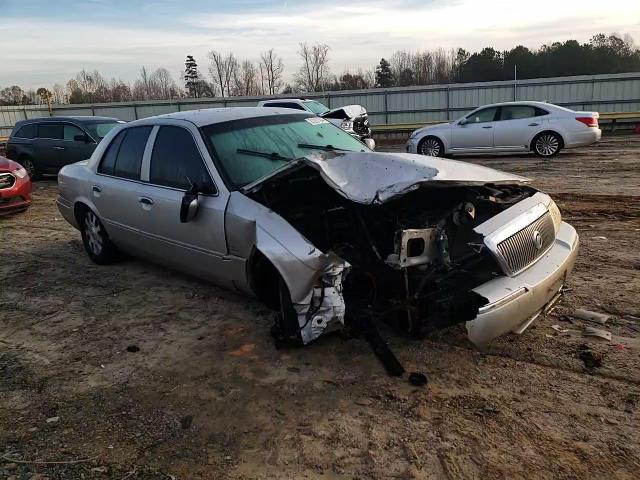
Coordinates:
(603,93)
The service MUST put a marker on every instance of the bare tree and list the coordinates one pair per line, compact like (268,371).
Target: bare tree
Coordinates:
(271,70)
(163,85)
(223,70)
(314,74)
(59,96)
(246,79)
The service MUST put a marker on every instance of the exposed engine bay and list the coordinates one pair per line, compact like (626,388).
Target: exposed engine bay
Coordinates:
(414,259)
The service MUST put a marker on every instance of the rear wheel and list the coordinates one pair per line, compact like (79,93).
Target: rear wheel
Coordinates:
(30,167)
(96,241)
(431,146)
(547,144)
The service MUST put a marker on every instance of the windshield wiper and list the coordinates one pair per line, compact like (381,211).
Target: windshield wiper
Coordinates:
(326,148)
(271,156)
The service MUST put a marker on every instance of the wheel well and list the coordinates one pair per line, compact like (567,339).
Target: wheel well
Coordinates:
(79,210)
(264,280)
(533,141)
(431,136)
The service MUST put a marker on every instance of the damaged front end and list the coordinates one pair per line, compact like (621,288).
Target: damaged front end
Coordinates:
(419,239)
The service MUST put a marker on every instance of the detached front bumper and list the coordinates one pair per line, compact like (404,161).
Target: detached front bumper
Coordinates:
(515,302)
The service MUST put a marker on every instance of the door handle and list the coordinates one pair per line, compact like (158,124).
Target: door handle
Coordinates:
(145,201)
(488,126)
(96,189)
(59,148)
(534,124)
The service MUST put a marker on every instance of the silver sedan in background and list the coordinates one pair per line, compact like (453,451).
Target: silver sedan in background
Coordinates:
(509,127)
(285,206)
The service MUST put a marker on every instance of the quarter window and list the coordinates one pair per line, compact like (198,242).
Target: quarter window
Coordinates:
(483,116)
(70,132)
(176,161)
(27,131)
(123,157)
(50,130)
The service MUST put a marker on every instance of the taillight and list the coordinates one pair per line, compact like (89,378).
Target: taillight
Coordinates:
(588,121)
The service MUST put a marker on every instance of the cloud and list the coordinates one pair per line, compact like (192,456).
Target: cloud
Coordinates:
(38,51)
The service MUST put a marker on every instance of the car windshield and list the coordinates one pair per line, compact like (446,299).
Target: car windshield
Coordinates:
(315,107)
(251,148)
(99,130)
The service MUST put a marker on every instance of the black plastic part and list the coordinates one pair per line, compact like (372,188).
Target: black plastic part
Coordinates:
(390,362)
(417,379)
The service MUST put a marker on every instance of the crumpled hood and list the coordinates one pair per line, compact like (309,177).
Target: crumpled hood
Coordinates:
(375,178)
(351,111)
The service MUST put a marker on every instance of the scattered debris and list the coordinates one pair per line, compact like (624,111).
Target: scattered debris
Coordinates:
(185,422)
(599,238)
(596,317)
(558,328)
(417,379)
(590,359)
(597,332)
(364,401)
(53,420)
(133,348)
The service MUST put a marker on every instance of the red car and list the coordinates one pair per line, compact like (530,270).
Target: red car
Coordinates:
(15,187)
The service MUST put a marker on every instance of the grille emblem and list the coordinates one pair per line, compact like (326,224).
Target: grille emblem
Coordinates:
(537,239)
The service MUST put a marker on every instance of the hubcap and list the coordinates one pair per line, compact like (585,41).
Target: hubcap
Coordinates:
(93,233)
(547,145)
(430,147)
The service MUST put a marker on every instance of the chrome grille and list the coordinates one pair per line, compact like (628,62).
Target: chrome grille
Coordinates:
(521,249)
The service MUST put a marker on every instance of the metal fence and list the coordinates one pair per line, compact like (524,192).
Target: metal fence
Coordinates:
(603,93)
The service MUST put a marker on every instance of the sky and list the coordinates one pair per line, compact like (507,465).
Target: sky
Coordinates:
(43,42)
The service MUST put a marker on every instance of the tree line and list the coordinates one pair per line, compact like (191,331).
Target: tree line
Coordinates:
(227,75)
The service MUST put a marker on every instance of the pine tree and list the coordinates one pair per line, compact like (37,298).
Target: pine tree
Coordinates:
(191,76)
(384,77)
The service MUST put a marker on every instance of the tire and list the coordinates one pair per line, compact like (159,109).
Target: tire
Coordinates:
(30,167)
(431,146)
(96,240)
(547,144)
(286,331)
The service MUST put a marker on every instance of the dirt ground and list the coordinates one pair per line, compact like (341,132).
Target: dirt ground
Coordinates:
(137,372)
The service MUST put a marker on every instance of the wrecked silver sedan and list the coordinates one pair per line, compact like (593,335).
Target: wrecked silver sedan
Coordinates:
(287,207)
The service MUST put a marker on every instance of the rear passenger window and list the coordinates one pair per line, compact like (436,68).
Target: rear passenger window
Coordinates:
(50,130)
(129,157)
(515,112)
(108,163)
(176,161)
(123,157)
(27,131)
(285,105)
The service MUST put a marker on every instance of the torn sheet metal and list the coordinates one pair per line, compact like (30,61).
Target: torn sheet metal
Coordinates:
(376,178)
(323,309)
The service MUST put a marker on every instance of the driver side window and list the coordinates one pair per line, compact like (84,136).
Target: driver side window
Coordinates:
(482,116)
(176,161)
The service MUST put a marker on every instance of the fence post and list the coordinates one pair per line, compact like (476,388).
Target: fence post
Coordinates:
(328,100)
(386,109)
(135,111)
(448,104)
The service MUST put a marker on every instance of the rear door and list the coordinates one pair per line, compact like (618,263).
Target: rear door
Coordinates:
(49,147)
(477,133)
(516,126)
(175,164)
(116,188)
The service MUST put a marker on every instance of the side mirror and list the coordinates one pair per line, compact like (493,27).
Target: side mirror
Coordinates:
(370,142)
(189,206)
(81,138)
(463,122)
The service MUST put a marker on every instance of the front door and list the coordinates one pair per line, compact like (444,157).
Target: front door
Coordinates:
(75,150)
(476,132)
(176,165)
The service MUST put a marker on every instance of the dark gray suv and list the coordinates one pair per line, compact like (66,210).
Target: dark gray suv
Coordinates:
(45,145)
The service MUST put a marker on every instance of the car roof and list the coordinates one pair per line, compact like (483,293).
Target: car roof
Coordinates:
(74,118)
(523,102)
(209,116)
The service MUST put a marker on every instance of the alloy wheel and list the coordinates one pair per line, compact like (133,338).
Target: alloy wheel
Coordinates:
(547,145)
(430,147)
(93,232)
(28,166)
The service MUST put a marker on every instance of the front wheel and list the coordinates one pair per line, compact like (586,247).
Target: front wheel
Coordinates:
(431,146)
(547,145)
(96,241)
(30,167)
